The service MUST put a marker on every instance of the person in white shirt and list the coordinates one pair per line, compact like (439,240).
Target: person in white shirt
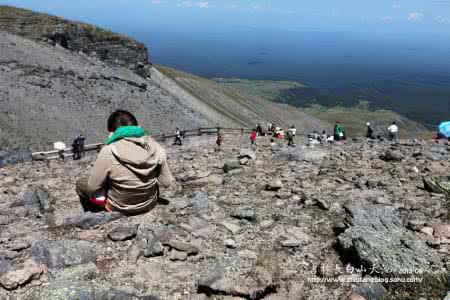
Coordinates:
(393,132)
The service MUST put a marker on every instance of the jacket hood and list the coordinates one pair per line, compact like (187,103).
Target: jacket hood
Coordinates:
(140,155)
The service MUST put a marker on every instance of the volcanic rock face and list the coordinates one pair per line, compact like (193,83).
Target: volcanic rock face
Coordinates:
(76,36)
(271,231)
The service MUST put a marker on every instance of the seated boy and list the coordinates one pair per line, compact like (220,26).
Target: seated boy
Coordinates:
(128,171)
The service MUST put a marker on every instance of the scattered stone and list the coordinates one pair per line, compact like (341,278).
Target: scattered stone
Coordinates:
(5,265)
(416,224)
(77,290)
(394,155)
(248,214)
(79,272)
(5,220)
(247,283)
(284,195)
(123,233)
(153,246)
(247,153)
(135,251)
(14,279)
(234,172)
(291,243)
(427,230)
(63,253)
(231,165)
(327,268)
(184,247)
(89,220)
(19,245)
(230,244)
(441,231)
(266,224)
(274,185)
(210,180)
(243,161)
(177,255)
(371,291)
(9,254)
(233,228)
(199,200)
(322,203)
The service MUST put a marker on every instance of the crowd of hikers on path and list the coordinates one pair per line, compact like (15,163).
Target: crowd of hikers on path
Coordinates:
(275,132)
(131,166)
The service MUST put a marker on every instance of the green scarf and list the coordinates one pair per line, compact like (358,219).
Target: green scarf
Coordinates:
(126,132)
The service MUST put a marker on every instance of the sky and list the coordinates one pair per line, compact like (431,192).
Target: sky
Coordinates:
(382,16)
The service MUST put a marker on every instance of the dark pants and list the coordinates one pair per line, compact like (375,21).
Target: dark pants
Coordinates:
(82,191)
(178,141)
(290,141)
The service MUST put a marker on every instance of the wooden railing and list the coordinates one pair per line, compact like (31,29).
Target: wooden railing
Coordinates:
(68,152)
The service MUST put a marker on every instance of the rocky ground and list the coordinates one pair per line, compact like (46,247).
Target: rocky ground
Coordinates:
(273,223)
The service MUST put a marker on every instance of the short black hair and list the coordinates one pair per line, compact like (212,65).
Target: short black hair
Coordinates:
(121,118)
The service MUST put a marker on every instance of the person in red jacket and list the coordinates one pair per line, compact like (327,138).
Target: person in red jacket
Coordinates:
(253,137)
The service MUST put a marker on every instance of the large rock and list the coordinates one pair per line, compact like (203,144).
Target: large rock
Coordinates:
(63,253)
(12,158)
(377,239)
(231,165)
(90,220)
(123,232)
(38,198)
(183,247)
(14,279)
(393,155)
(247,153)
(79,290)
(199,200)
(238,277)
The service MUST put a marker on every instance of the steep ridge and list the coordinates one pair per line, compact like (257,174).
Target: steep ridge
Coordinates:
(107,46)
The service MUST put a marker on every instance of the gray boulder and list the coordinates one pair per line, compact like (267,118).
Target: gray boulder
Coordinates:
(377,239)
(38,198)
(393,155)
(64,253)
(231,165)
(199,200)
(123,232)
(76,290)
(153,246)
(90,220)
(247,153)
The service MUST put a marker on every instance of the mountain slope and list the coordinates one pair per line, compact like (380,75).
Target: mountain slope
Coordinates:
(243,108)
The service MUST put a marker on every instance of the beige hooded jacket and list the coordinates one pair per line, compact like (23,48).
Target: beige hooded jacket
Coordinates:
(131,171)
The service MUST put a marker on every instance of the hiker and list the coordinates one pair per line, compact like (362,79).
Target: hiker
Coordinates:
(128,171)
(219,139)
(338,132)
(393,132)
(178,135)
(291,135)
(259,129)
(78,147)
(369,134)
(323,137)
(253,137)
(279,133)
